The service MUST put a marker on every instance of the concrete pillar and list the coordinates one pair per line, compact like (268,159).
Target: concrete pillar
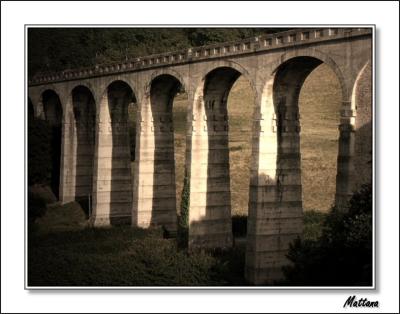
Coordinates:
(77,147)
(36,101)
(112,181)
(68,155)
(155,176)
(144,172)
(363,128)
(210,223)
(275,200)
(345,162)
(39,109)
(154,184)
(84,126)
(355,141)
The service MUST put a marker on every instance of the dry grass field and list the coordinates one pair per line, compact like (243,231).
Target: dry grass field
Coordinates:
(64,251)
(320,100)
(319,113)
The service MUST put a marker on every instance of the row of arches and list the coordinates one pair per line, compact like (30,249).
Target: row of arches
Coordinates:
(128,166)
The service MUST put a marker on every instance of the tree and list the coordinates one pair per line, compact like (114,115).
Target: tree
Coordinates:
(56,49)
(183,225)
(342,255)
(39,152)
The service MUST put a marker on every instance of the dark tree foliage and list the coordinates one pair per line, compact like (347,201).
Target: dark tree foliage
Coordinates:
(55,49)
(342,255)
(39,152)
(44,154)
(36,207)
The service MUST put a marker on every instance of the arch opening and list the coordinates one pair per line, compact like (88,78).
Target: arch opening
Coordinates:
(84,113)
(307,100)
(180,116)
(320,102)
(53,115)
(241,107)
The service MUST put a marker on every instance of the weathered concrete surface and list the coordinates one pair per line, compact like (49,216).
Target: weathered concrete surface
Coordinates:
(210,213)
(276,67)
(82,136)
(112,194)
(155,185)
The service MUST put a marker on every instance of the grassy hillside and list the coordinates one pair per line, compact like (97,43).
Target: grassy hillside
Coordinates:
(320,101)
(240,110)
(64,251)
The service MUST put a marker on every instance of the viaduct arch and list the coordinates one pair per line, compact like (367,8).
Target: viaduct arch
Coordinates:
(95,153)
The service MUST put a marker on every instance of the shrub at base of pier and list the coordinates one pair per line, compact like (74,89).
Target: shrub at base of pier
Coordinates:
(342,255)
(183,226)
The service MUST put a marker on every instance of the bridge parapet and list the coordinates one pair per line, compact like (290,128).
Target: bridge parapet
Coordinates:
(228,49)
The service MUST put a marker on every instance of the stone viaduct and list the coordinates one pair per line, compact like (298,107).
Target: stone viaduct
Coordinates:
(90,106)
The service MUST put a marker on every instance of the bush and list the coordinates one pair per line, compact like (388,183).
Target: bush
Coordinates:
(313,222)
(342,254)
(183,221)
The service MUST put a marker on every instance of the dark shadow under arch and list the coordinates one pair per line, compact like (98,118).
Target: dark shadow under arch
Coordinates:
(217,86)
(84,111)
(53,115)
(120,96)
(162,92)
(31,111)
(318,56)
